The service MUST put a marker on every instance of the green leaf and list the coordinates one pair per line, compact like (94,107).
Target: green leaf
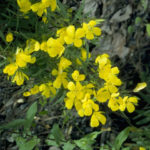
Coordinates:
(32,111)
(13,124)
(86,142)
(23,144)
(148,29)
(57,133)
(2,36)
(123,135)
(130,29)
(144,4)
(30,115)
(127,148)
(51,142)
(79,12)
(138,20)
(62,9)
(68,146)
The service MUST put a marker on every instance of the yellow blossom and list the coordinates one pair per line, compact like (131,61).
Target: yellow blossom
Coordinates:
(55,47)
(25,5)
(26,94)
(53,4)
(130,103)
(77,77)
(10,69)
(83,56)
(74,95)
(9,37)
(88,106)
(114,102)
(20,77)
(90,30)
(140,86)
(44,46)
(97,118)
(31,46)
(34,90)
(49,3)
(39,8)
(102,95)
(64,63)
(47,89)
(44,19)
(102,60)
(74,36)
(110,76)
(61,79)
(142,148)
(75,90)
(22,58)
(61,33)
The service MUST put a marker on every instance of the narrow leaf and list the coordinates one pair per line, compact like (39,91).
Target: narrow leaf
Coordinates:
(123,135)
(13,124)
(148,29)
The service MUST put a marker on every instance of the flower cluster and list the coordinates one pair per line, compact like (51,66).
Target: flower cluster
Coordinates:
(87,97)
(14,69)
(82,92)
(40,7)
(109,92)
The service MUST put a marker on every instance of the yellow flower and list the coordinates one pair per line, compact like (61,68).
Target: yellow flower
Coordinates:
(39,8)
(26,94)
(142,148)
(110,76)
(34,90)
(102,60)
(61,79)
(83,56)
(111,87)
(129,103)
(102,95)
(78,77)
(61,33)
(55,47)
(44,46)
(114,102)
(53,4)
(9,37)
(74,36)
(10,69)
(19,78)
(88,88)
(47,89)
(69,103)
(96,118)
(31,46)
(90,30)
(25,5)
(49,3)
(64,63)
(140,86)
(74,95)
(88,106)
(44,19)
(75,90)
(22,58)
